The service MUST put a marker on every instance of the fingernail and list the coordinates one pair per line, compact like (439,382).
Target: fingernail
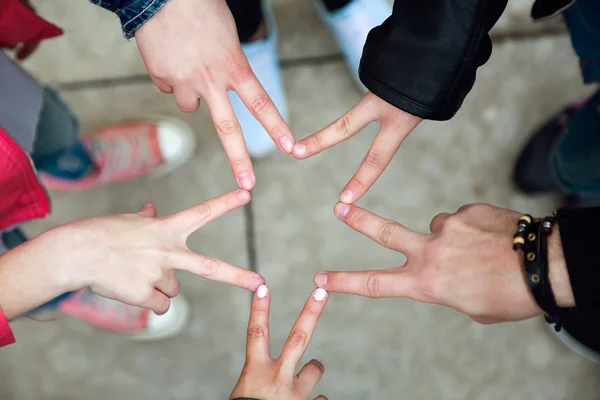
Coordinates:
(245,181)
(286,144)
(346,197)
(321,280)
(320,361)
(262,292)
(341,209)
(299,149)
(320,294)
(243,195)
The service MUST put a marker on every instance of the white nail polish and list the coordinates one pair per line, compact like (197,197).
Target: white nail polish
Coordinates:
(320,294)
(262,292)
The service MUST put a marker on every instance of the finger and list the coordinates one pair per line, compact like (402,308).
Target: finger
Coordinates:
(438,222)
(344,128)
(386,144)
(157,302)
(215,270)
(188,221)
(257,340)
(26,50)
(388,233)
(148,210)
(373,284)
(169,286)
(264,110)
(302,331)
(309,376)
(165,87)
(230,133)
(187,99)
(321,397)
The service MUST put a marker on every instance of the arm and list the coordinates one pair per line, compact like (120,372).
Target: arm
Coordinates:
(467,263)
(127,257)
(424,58)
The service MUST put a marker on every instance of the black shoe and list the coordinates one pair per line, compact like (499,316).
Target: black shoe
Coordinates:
(532,171)
(13,238)
(576,201)
(581,333)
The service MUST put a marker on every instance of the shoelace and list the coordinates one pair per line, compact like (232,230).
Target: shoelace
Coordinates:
(124,152)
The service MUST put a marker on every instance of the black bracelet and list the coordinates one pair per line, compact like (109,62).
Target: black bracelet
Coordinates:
(532,238)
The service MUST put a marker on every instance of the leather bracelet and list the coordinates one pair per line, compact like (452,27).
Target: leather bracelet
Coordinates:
(532,237)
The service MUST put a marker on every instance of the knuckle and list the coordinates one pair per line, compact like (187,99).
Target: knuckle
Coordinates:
(227,127)
(343,127)
(386,232)
(466,208)
(358,182)
(210,266)
(372,285)
(374,159)
(256,332)
(261,105)
(203,210)
(312,311)
(357,217)
(298,337)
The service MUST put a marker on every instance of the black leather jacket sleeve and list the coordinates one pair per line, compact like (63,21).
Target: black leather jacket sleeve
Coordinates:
(423,59)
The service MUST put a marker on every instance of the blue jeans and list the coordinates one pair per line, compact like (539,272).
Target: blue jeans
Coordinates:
(57,150)
(576,159)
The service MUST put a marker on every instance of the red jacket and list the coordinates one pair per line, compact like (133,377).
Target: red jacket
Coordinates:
(22,197)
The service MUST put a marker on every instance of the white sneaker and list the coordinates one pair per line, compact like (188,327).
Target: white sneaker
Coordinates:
(263,58)
(350,26)
(134,322)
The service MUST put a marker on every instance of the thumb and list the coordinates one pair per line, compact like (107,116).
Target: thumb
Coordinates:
(148,210)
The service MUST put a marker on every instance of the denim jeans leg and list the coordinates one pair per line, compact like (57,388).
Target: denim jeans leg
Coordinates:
(575,162)
(57,149)
(583,21)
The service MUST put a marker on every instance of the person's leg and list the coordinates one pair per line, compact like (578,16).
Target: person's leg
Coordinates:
(350,21)
(560,154)
(115,153)
(258,34)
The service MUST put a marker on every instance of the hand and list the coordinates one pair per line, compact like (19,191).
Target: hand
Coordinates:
(467,263)
(191,49)
(266,378)
(131,257)
(395,125)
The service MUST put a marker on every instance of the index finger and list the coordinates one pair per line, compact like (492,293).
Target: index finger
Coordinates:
(258,102)
(188,221)
(302,332)
(257,339)
(375,284)
(387,233)
(344,128)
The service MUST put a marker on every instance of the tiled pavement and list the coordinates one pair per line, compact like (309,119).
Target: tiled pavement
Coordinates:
(388,349)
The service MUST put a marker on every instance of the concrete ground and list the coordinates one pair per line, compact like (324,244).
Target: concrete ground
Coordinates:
(387,349)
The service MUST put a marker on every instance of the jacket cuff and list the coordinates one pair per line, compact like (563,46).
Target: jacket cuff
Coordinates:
(132,13)
(579,231)
(6,334)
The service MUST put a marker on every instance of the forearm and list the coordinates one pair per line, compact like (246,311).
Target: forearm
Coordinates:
(424,58)
(30,275)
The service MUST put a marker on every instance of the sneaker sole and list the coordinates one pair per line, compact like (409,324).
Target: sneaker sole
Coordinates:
(575,345)
(174,330)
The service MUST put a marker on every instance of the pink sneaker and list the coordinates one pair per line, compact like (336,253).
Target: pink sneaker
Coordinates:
(130,150)
(134,322)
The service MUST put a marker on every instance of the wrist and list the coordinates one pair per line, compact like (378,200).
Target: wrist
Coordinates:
(557,270)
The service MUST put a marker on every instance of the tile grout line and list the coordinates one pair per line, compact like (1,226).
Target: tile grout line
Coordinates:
(285,63)
(250,237)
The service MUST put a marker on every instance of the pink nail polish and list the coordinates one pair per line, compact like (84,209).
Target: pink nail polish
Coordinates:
(346,197)
(262,292)
(341,210)
(299,149)
(320,294)
(321,280)
(286,144)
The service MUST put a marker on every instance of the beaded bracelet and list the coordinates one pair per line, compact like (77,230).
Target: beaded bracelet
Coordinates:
(532,239)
